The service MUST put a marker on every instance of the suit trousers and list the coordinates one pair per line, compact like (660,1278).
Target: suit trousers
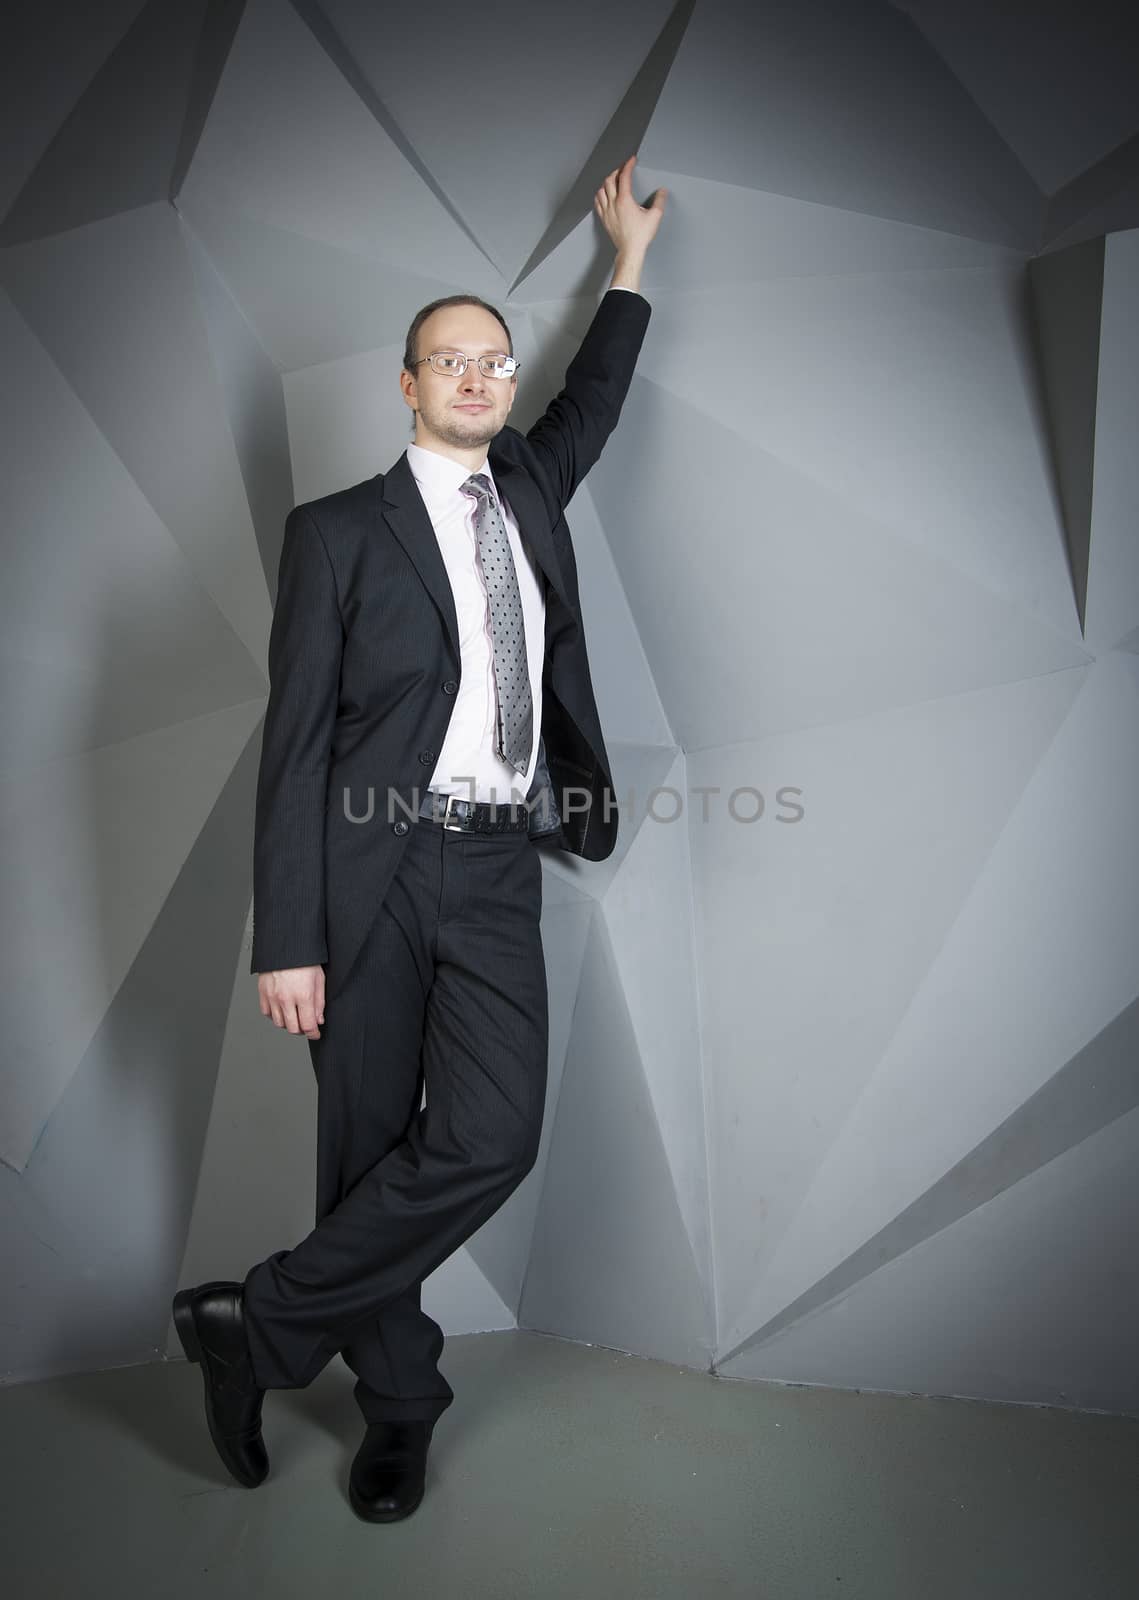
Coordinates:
(449,993)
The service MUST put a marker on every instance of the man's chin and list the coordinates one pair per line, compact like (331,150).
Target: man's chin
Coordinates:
(473,430)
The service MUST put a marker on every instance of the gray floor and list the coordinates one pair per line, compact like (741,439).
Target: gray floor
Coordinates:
(569,1470)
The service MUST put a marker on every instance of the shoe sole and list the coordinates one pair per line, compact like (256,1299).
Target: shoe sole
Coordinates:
(369,1515)
(188,1338)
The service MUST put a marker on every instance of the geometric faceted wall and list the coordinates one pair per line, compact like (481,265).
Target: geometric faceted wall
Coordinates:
(844,1035)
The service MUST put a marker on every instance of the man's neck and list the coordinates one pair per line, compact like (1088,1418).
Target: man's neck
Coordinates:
(473,460)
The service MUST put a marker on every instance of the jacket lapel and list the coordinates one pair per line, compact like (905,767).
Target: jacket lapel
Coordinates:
(406,515)
(529,510)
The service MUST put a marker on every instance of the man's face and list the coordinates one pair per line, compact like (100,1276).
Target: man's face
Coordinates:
(464,412)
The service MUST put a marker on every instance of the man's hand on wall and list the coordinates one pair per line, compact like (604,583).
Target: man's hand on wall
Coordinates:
(631,226)
(294,999)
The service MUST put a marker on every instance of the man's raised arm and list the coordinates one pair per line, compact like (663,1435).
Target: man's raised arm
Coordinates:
(571,432)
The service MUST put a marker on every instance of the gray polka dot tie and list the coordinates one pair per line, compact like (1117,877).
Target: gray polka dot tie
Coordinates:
(515,721)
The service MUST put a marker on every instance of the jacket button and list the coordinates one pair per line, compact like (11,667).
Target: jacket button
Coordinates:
(426,756)
(401,826)
(450,687)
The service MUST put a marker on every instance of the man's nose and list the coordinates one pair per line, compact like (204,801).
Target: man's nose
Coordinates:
(472,381)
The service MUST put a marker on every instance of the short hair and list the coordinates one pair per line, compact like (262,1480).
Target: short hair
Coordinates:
(410,352)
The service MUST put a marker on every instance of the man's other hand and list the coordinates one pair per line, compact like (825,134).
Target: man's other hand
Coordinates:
(294,999)
(632,227)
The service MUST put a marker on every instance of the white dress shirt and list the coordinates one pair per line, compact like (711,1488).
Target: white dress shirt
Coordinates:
(469,751)
(469,763)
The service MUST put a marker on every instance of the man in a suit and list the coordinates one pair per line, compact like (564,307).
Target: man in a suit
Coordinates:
(430,717)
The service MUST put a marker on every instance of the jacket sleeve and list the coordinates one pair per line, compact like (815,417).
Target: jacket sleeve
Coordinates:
(571,432)
(305,647)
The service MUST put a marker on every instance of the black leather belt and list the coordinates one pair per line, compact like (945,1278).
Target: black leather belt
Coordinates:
(459,815)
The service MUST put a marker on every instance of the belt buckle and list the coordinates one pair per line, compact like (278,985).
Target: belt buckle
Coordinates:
(453,827)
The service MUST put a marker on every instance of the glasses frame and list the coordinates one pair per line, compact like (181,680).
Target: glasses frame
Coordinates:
(499,378)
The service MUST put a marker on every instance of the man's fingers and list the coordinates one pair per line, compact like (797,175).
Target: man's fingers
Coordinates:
(299,1016)
(616,183)
(294,1003)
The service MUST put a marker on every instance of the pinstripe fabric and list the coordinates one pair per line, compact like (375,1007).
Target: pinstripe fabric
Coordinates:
(450,990)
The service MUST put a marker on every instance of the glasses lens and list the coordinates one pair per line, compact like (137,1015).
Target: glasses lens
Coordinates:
(497,366)
(448,362)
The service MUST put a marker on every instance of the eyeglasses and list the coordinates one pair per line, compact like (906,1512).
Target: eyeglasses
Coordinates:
(453,363)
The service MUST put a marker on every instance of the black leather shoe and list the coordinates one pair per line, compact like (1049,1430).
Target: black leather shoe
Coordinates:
(388,1473)
(210,1323)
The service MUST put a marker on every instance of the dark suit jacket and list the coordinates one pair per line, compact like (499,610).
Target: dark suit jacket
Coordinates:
(364,667)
